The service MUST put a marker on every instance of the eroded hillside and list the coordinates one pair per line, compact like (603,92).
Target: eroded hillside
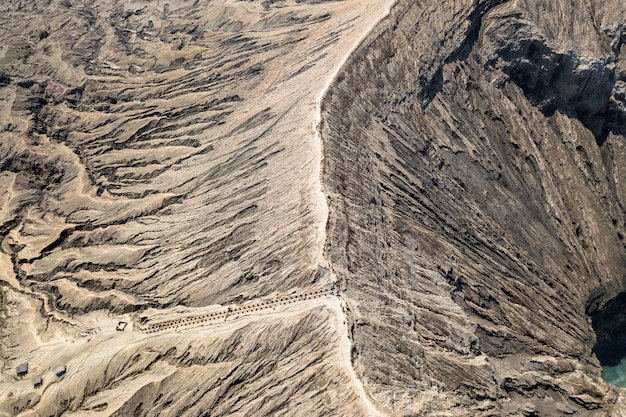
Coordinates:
(161,166)
(160,158)
(474,158)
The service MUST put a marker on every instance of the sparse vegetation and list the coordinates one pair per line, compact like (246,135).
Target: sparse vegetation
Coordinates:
(43,34)
(4,78)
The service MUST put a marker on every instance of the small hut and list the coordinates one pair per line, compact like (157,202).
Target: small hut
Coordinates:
(37,381)
(60,371)
(22,369)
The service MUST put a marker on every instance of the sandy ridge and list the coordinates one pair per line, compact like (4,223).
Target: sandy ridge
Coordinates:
(345,343)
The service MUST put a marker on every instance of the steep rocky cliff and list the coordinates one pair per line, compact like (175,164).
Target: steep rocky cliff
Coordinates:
(474,156)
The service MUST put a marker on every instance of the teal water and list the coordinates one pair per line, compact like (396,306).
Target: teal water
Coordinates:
(615,375)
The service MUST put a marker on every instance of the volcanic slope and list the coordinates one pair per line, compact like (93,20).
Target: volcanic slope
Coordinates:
(163,157)
(158,160)
(474,156)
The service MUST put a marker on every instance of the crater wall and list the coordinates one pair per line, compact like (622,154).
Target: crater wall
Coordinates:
(474,159)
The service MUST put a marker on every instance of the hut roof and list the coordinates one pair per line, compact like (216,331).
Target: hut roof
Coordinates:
(60,370)
(22,369)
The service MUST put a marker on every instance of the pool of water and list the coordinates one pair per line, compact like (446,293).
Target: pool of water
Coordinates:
(615,375)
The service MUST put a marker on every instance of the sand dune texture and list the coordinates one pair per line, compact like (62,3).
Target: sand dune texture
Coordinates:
(165,154)
(310,207)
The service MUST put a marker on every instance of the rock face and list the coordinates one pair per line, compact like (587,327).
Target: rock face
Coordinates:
(474,159)
(458,168)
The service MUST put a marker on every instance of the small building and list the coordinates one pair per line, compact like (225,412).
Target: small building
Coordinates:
(37,381)
(22,369)
(60,371)
(121,326)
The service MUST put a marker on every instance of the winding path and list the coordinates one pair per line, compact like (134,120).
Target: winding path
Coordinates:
(336,302)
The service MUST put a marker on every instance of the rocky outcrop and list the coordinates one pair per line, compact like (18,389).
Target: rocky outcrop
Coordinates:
(555,74)
(473,162)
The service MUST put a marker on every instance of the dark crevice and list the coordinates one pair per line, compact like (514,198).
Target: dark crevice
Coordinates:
(553,81)
(609,323)
(431,86)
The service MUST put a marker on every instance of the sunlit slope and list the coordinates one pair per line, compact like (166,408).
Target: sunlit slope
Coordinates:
(160,159)
(163,154)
